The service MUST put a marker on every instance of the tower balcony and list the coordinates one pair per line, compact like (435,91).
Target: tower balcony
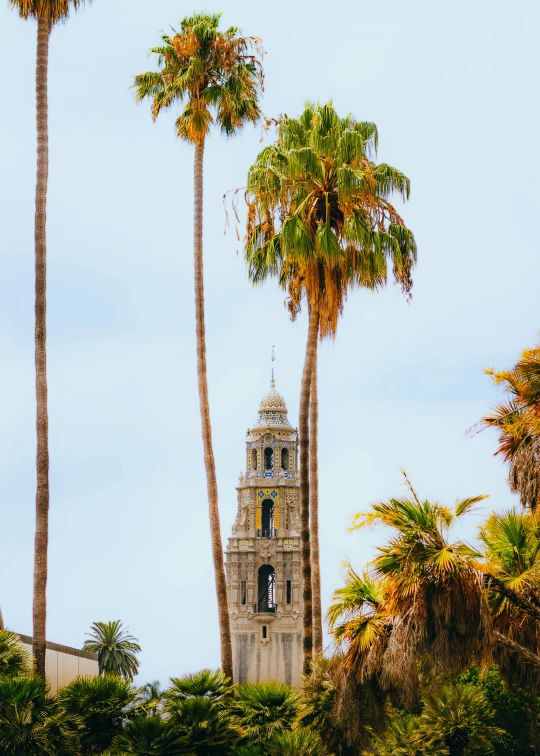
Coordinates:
(265,608)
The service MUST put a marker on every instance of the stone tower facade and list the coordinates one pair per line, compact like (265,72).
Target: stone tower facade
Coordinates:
(264,579)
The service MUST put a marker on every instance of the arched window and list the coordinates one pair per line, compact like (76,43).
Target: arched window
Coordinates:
(266,596)
(285,459)
(268,458)
(254,459)
(268,529)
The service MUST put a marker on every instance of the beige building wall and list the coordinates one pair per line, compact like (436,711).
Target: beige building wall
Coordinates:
(63,664)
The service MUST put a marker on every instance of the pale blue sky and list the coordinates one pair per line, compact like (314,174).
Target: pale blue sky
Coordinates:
(453,89)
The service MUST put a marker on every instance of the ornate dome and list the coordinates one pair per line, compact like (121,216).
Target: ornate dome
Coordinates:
(272,400)
(272,409)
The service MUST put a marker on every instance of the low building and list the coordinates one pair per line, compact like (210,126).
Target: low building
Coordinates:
(63,664)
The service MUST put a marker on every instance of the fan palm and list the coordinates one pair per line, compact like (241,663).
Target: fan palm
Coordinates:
(399,739)
(14,659)
(99,707)
(517,421)
(432,583)
(318,705)
(116,649)
(366,633)
(202,726)
(435,589)
(511,552)
(265,709)
(205,684)
(319,220)
(151,697)
(218,75)
(457,717)
(31,721)
(146,736)
(296,743)
(47,13)
(359,622)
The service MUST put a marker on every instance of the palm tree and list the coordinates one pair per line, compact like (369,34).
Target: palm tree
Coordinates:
(264,709)
(31,722)
(14,659)
(517,421)
(218,75)
(151,697)
(432,583)
(202,725)
(320,221)
(116,649)
(145,736)
(98,708)
(318,705)
(457,717)
(47,13)
(360,623)
(511,555)
(205,684)
(399,739)
(293,743)
(434,592)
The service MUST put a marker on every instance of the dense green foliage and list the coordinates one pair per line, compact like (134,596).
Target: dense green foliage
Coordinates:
(116,649)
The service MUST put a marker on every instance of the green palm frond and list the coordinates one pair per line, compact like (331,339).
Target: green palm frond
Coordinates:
(217,76)
(205,684)
(15,661)
(517,421)
(433,589)
(116,649)
(265,709)
(318,193)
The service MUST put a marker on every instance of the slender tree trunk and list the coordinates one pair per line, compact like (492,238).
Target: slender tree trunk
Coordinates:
(209,463)
(1,620)
(311,348)
(314,512)
(515,648)
(42,421)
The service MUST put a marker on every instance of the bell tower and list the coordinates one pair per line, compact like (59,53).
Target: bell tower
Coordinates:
(264,581)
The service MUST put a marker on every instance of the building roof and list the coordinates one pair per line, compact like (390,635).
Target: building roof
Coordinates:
(272,409)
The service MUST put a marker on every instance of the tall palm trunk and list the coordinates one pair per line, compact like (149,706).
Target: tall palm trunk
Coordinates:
(42,421)
(314,512)
(1,620)
(311,349)
(209,463)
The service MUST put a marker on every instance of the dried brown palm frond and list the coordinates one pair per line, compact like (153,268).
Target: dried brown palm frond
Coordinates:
(517,421)
(511,552)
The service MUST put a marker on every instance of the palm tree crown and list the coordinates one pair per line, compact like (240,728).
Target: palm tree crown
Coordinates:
(115,648)
(432,582)
(517,421)
(217,73)
(319,216)
(52,10)
(511,554)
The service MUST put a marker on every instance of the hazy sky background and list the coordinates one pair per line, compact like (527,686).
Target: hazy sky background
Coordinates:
(453,88)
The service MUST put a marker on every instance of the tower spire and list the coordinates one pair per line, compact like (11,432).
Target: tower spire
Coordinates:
(273,383)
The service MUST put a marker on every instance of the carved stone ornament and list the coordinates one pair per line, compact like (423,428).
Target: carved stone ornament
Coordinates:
(264,618)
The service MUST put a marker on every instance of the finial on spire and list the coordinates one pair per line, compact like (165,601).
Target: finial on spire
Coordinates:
(273,384)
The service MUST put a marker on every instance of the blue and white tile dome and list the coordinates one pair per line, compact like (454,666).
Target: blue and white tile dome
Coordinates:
(272,409)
